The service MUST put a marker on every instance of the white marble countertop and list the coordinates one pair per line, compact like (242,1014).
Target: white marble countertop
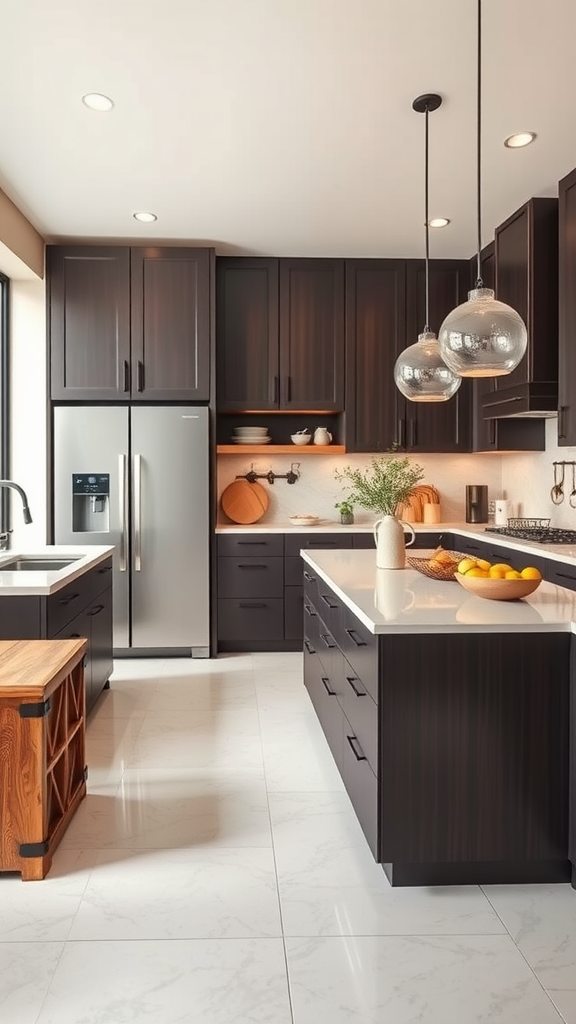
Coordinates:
(406,601)
(39,583)
(558,552)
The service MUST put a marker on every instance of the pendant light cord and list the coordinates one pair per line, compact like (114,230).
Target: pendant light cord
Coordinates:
(479,282)
(426,219)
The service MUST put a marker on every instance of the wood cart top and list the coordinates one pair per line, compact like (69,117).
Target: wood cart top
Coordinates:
(32,669)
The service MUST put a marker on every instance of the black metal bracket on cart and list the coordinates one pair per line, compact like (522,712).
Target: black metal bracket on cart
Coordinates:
(290,477)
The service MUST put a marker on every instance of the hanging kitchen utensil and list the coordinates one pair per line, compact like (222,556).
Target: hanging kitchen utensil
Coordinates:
(557,492)
(572,498)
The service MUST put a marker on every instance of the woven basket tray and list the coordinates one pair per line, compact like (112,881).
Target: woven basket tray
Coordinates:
(445,572)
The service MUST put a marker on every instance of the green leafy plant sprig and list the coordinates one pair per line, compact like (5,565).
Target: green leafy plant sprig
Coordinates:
(383,485)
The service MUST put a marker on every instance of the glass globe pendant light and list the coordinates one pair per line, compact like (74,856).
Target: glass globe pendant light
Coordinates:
(482,337)
(420,373)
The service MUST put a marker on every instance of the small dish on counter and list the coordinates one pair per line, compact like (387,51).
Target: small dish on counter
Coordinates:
(305,520)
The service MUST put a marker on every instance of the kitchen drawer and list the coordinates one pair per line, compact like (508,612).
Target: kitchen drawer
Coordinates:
(326,705)
(295,542)
(476,548)
(250,621)
(361,712)
(293,571)
(330,608)
(311,626)
(363,541)
(293,613)
(517,559)
(326,647)
(360,648)
(251,544)
(66,603)
(361,785)
(434,540)
(310,580)
(560,573)
(250,577)
(100,578)
(20,618)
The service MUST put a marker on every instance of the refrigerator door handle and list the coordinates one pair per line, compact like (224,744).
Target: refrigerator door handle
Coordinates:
(137,513)
(123,507)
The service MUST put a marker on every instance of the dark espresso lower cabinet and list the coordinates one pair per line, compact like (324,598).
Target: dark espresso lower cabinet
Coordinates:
(453,747)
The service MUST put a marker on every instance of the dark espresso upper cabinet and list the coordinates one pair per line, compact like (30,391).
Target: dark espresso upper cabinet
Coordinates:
(280,334)
(375,333)
(170,305)
(89,321)
(247,312)
(567,279)
(436,426)
(129,323)
(526,255)
(312,334)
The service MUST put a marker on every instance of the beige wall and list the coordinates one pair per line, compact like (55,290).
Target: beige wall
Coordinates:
(18,235)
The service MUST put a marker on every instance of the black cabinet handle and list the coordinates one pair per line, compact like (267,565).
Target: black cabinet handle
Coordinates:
(252,543)
(401,433)
(74,636)
(310,610)
(492,437)
(67,600)
(326,681)
(288,389)
(126,385)
(309,647)
(562,421)
(351,680)
(355,639)
(359,756)
(307,576)
(326,637)
(140,375)
(252,604)
(105,568)
(96,611)
(254,565)
(565,576)
(327,601)
(412,433)
(276,395)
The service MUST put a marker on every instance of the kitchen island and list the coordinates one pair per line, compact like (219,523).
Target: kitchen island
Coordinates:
(448,718)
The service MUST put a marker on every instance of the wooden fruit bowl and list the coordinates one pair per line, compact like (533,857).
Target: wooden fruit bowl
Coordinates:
(497,590)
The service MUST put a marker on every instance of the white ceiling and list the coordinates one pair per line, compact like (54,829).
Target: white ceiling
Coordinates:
(280,126)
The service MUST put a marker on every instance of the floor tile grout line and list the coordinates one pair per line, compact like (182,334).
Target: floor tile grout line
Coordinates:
(526,961)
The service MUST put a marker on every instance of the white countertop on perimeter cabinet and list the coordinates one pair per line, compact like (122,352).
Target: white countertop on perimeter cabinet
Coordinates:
(406,601)
(558,552)
(41,583)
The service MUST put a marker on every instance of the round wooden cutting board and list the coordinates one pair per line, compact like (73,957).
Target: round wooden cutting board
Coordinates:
(244,503)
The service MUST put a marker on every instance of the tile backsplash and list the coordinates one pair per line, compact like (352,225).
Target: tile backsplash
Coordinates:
(317,490)
(528,479)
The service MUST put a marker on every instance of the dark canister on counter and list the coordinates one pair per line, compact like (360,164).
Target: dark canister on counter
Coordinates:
(476,503)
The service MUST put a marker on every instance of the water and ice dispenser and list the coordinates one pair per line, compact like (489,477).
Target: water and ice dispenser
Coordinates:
(91,502)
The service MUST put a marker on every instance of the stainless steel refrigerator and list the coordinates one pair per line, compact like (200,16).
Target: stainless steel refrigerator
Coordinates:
(138,477)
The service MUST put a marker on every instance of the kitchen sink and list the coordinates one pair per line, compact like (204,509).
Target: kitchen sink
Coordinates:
(31,564)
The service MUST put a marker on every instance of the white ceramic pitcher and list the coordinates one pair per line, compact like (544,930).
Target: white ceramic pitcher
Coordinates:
(390,543)
(322,436)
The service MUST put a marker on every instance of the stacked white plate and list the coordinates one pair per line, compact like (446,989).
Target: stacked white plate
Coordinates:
(251,435)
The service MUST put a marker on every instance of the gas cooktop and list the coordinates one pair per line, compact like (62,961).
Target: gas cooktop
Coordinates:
(541,534)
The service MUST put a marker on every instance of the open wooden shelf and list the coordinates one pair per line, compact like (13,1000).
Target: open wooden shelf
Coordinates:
(281,449)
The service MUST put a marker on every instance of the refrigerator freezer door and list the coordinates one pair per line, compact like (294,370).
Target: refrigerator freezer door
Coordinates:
(170,528)
(94,440)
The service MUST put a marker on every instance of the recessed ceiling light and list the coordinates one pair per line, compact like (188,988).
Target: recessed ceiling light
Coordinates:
(519,139)
(145,218)
(97,101)
(438,222)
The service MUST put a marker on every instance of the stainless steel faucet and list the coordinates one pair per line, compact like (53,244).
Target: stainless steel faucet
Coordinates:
(25,510)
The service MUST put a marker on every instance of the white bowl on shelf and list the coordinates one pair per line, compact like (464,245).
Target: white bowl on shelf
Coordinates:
(300,438)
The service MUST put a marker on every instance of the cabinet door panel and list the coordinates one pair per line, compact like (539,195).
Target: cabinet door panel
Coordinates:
(20,618)
(512,248)
(312,334)
(293,613)
(247,334)
(437,426)
(251,577)
(375,333)
(567,276)
(170,324)
(361,786)
(89,321)
(100,615)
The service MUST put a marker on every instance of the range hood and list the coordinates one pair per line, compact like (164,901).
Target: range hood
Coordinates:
(531,399)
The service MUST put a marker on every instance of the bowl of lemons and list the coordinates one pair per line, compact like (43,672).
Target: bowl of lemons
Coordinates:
(498,581)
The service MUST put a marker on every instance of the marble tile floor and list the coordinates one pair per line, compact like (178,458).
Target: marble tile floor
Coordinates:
(216,874)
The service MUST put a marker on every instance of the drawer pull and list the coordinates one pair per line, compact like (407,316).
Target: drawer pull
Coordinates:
(67,600)
(309,647)
(96,611)
(252,604)
(307,576)
(106,568)
(326,681)
(355,639)
(254,566)
(359,756)
(564,575)
(327,601)
(350,680)
(310,611)
(326,637)
(252,543)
